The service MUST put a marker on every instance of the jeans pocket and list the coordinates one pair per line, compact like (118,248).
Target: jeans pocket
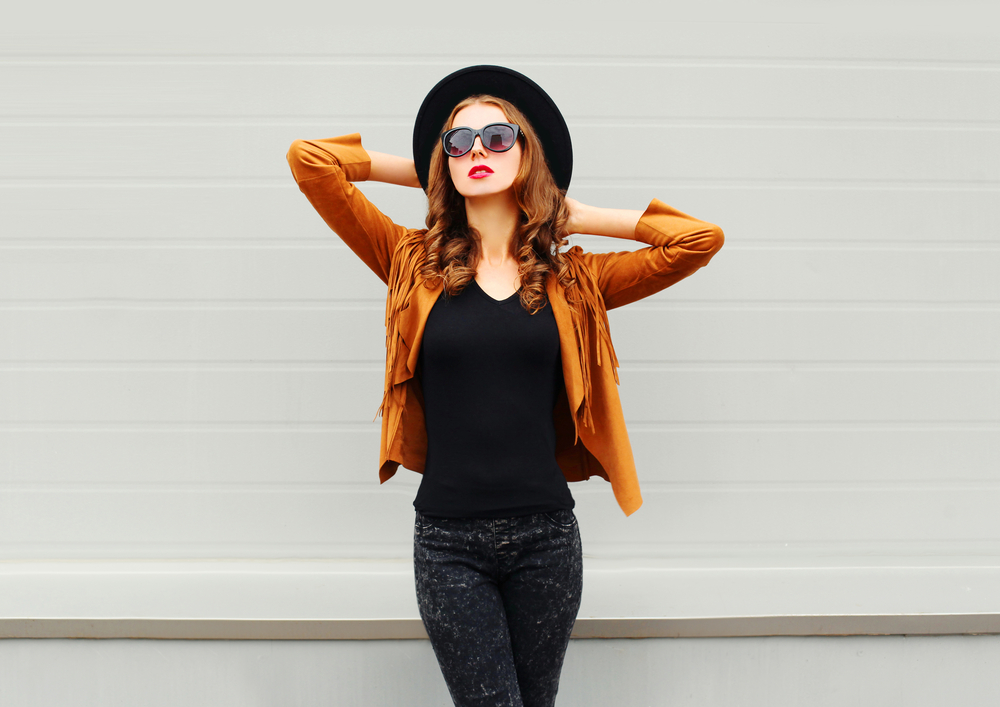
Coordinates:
(424,522)
(564,519)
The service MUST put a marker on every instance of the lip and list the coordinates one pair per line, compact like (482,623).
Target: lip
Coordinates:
(480,171)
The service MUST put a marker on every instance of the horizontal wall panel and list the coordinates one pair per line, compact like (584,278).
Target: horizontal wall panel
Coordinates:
(330,272)
(719,29)
(276,212)
(714,153)
(253,596)
(750,215)
(199,456)
(886,394)
(354,332)
(196,456)
(830,455)
(291,599)
(347,394)
(790,153)
(323,272)
(342,394)
(316,523)
(668,332)
(341,333)
(241,91)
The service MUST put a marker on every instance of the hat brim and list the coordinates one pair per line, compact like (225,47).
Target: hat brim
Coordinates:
(504,83)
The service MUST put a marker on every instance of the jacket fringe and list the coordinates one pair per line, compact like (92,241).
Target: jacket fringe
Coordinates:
(406,260)
(587,310)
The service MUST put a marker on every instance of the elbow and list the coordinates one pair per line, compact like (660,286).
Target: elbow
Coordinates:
(709,242)
(308,160)
(716,239)
(294,156)
(301,154)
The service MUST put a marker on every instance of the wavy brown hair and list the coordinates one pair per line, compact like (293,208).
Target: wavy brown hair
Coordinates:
(453,247)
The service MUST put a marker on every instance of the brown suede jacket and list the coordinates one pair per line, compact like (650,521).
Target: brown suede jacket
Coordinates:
(590,426)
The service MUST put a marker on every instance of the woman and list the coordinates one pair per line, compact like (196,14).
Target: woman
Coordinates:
(500,374)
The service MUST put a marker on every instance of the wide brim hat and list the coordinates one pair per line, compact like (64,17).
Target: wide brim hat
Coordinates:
(504,83)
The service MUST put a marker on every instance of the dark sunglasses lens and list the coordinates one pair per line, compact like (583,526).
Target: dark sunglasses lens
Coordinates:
(499,137)
(458,142)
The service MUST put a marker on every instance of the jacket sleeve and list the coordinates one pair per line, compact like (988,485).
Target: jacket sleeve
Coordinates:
(324,170)
(678,246)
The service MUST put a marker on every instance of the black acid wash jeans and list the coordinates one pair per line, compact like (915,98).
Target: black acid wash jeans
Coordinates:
(499,597)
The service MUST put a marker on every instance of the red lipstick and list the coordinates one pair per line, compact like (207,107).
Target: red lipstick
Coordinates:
(480,171)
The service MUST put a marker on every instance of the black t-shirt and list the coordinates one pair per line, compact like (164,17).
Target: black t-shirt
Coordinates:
(490,373)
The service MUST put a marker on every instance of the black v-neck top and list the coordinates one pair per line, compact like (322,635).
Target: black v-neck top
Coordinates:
(490,373)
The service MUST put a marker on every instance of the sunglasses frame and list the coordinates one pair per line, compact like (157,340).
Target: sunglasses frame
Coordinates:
(481,134)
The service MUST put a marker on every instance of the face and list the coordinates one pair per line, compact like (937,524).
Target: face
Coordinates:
(480,172)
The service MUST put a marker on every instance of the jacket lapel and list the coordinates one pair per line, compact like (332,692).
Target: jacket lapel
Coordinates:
(411,326)
(413,319)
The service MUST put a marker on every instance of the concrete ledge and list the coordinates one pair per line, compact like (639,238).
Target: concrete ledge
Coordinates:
(396,629)
(356,599)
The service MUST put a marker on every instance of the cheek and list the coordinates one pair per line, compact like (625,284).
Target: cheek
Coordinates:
(452,170)
(516,155)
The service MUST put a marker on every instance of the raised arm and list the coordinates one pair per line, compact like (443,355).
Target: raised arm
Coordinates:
(616,223)
(324,171)
(393,170)
(679,245)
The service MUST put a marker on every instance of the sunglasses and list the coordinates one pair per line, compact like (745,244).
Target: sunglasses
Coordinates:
(496,137)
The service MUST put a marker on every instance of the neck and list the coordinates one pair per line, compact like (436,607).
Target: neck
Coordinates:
(495,217)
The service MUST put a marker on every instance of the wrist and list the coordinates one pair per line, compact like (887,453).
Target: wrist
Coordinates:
(578,216)
(613,223)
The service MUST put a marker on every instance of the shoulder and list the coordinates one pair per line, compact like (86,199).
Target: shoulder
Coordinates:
(408,256)
(575,256)
(412,242)
(579,261)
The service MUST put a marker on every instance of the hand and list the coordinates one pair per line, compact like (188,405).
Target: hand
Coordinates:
(615,223)
(574,224)
(392,169)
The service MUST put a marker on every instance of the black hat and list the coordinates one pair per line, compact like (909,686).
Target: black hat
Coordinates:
(504,83)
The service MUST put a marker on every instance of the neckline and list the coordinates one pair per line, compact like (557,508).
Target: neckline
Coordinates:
(490,297)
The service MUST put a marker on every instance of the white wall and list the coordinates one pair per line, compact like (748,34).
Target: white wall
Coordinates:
(173,388)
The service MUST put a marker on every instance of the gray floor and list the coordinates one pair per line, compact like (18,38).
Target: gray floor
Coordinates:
(811,671)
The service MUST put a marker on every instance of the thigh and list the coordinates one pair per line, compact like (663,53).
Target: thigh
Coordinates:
(463,613)
(541,595)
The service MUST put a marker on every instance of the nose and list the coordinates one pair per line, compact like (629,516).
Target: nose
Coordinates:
(482,148)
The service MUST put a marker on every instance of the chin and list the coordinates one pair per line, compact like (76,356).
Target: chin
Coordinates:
(473,190)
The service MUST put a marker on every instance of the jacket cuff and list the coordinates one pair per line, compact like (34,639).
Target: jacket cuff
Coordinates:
(663,225)
(653,227)
(343,155)
(353,158)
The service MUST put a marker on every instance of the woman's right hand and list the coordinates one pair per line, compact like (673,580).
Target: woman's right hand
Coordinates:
(392,170)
